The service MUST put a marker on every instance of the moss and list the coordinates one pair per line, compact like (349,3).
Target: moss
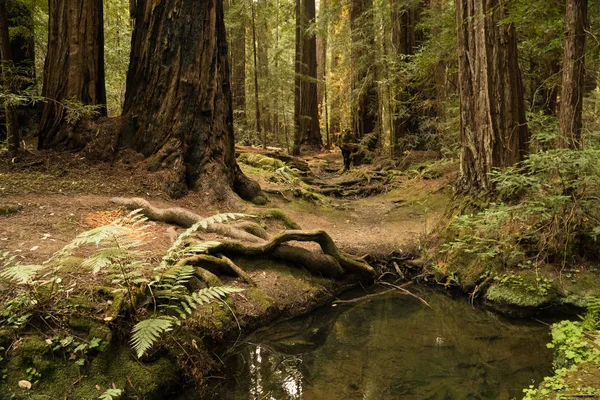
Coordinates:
(511,296)
(259,299)
(64,379)
(279,215)
(91,328)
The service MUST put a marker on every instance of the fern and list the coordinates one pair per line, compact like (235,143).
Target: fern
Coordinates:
(111,394)
(21,274)
(174,251)
(591,320)
(146,333)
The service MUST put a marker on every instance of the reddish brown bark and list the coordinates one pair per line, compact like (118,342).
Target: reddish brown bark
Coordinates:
(307,131)
(178,98)
(571,98)
(365,102)
(74,68)
(10,116)
(492,115)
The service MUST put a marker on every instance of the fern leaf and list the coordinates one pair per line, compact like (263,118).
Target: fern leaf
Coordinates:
(201,247)
(146,333)
(111,394)
(21,274)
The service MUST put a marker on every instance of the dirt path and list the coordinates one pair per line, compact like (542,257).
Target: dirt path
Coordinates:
(69,196)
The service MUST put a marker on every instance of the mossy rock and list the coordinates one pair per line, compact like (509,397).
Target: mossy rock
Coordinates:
(515,297)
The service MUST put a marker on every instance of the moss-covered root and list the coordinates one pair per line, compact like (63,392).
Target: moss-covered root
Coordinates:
(326,263)
(186,218)
(212,265)
(277,214)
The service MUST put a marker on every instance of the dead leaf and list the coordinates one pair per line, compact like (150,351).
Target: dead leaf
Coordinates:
(25,385)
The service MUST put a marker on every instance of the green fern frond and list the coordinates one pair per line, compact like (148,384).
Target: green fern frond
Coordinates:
(201,247)
(173,252)
(21,274)
(146,333)
(111,394)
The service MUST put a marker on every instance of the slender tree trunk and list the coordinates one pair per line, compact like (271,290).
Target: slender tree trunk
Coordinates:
(365,103)
(437,7)
(74,68)
(238,61)
(259,134)
(306,111)
(571,98)
(264,44)
(492,116)
(335,120)
(322,53)
(10,116)
(178,99)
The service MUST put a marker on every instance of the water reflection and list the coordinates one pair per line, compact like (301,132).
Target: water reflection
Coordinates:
(390,348)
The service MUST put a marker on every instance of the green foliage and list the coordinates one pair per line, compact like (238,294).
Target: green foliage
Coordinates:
(111,394)
(176,251)
(548,213)
(591,320)
(170,288)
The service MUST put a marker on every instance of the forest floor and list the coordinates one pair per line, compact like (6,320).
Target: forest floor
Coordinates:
(48,199)
(62,195)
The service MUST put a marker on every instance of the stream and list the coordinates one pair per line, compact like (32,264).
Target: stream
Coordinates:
(389,347)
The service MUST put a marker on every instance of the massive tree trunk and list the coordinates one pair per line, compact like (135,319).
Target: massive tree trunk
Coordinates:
(178,98)
(238,61)
(365,98)
(492,115)
(10,116)
(571,99)
(74,69)
(306,111)
(405,18)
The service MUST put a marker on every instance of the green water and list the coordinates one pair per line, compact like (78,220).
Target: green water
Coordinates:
(391,347)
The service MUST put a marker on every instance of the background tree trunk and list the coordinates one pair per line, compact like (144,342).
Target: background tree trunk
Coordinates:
(306,110)
(365,104)
(571,98)
(179,100)
(492,115)
(238,61)
(10,116)
(74,68)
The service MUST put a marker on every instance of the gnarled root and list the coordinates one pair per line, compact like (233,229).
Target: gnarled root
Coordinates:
(248,239)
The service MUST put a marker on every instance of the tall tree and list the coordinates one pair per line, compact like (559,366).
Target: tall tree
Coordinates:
(571,99)
(306,111)
(74,68)
(365,104)
(239,22)
(178,98)
(492,110)
(10,116)
(404,17)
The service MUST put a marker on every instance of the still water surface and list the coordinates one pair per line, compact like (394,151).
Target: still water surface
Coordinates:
(391,347)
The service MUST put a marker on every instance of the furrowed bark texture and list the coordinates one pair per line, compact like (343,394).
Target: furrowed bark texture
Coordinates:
(306,111)
(238,61)
(493,128)
(179,100)
(74,68)
(10,116)
(365,99)
(571,98)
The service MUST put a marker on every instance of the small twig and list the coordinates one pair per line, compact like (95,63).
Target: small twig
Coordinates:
(401,288)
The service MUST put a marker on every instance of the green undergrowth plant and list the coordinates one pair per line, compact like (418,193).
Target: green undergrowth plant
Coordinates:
(576,346)
(546,214)
(116,256)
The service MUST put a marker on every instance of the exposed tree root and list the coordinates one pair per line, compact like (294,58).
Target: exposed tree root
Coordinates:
(248,239)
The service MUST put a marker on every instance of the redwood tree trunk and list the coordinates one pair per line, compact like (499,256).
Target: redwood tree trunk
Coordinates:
(74,68)
(571,99)
(492,115)
(306,111)
(365,103)
(10,116)
(238,60)
(179,100)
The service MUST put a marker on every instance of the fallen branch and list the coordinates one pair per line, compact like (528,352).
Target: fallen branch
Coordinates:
(409,293)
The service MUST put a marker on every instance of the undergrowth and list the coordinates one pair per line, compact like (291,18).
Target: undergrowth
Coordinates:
(546,215)
(157,298)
